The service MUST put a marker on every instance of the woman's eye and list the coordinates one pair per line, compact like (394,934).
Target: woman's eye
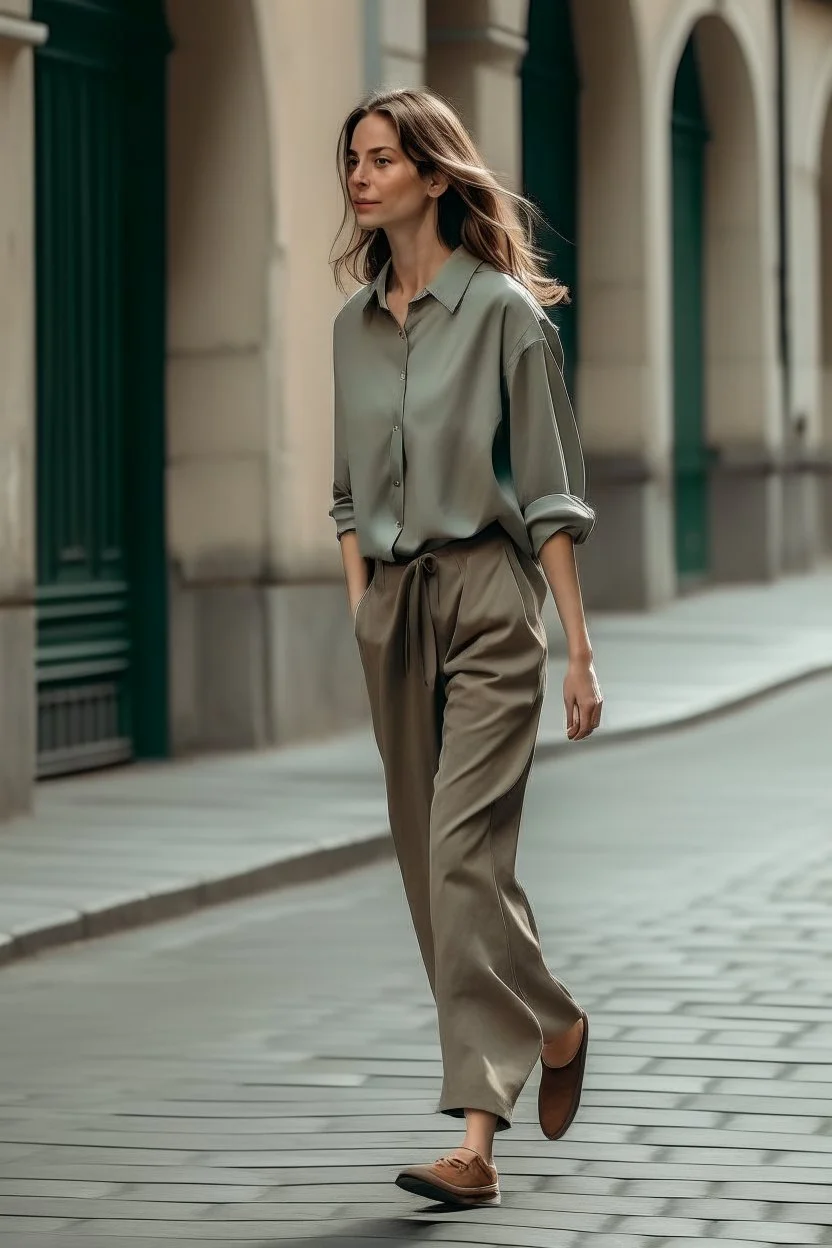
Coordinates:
(382,160)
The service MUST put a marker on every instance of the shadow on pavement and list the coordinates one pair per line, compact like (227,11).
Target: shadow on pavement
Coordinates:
(369,1233)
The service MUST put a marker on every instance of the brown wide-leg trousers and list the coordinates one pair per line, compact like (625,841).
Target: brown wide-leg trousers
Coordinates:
(454,653)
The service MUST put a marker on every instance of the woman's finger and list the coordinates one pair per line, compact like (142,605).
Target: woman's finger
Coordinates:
(589,709)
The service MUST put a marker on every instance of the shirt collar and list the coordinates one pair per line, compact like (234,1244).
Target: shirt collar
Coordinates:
(448,285)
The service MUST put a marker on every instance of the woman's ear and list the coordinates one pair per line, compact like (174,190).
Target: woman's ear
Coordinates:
(437,184)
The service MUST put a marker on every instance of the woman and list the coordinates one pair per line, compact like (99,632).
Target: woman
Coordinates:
(458,477)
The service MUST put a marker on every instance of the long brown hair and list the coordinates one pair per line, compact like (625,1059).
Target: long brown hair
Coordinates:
(492,222)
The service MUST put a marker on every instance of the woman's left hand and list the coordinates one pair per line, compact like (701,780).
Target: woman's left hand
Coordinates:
(582,699)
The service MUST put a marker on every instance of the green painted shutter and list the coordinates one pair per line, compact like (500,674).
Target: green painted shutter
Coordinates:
(550,152)
(99,92)
(690,458)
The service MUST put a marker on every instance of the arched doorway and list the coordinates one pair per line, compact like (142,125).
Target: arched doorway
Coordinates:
(727,418)
(550,87)
(689,136)
(826,322)
(101,599)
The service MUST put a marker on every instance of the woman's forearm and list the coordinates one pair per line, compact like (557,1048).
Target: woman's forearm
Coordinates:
(557,558)
(356,570)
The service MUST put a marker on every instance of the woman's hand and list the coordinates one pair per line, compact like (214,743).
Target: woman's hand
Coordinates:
(582,699)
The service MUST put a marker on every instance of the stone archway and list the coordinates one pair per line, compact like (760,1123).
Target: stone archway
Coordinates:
(219,240)
(742,421)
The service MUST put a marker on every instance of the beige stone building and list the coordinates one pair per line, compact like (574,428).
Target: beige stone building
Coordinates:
(169,577)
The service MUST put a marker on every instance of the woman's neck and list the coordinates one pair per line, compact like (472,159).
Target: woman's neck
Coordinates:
(416,259)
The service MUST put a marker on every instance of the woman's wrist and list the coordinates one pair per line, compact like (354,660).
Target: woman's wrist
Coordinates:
(580,652)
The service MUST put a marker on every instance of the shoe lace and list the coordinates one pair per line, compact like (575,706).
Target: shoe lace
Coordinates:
(458,1163)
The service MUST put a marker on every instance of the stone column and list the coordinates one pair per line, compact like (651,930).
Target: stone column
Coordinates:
(394,53)
(17,408)
(475,49)
(623,380)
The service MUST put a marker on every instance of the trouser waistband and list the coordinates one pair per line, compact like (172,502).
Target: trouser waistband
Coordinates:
(413,577)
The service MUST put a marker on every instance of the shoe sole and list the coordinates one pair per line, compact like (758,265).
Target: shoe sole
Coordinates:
(443,1195)
(581,1055)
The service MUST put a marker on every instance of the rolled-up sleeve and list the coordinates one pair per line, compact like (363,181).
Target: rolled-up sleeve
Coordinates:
(342,510)
(547,463)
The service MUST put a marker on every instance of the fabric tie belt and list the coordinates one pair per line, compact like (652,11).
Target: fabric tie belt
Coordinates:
(419,632)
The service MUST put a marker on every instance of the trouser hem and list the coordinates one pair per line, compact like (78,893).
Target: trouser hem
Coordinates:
(456,1107)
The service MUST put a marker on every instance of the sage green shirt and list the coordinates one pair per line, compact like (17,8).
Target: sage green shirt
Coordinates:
(457,421)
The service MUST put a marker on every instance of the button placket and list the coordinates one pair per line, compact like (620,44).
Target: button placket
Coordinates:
(397,456)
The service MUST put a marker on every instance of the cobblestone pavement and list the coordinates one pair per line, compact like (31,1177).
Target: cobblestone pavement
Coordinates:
(255,1073)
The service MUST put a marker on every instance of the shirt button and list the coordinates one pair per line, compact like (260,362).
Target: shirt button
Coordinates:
(397,482)
(395,427)
(401,376)
(401,333)
(398,524)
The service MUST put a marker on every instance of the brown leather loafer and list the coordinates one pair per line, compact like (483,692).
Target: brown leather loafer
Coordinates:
(560,1090)
(454,1181)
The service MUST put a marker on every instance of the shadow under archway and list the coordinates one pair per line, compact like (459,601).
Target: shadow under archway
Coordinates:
(739,358)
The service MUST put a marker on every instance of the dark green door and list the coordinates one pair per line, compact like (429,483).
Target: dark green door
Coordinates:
(102,648)
(550,152)
(690,461)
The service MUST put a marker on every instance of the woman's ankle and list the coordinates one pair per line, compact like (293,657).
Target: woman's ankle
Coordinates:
(480,1128)
(478,1147)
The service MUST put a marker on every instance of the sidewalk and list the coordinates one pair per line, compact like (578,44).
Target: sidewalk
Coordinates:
(145,843)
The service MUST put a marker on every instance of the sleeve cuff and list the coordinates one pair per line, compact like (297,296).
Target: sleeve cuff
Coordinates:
(343,513)
(558,513)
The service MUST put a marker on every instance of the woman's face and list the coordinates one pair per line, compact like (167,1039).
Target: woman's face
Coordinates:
(385,186)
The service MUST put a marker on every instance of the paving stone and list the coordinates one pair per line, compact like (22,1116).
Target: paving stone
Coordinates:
(712,1169)
(820,1193)
(578,1183)
(609,1205)
(789,1090)
(777,1123)
(765,1140)
(813,1073)
(673,1242)
(16,1226)
(812,1212)
(717,1155)
(783,1014)
(124,1173)
(715,1208)
(710,1068)
(59,1188)
(15,1152)
(749,1039)
(95,1207)
(772,1232)
(778,1108)
(666,1189)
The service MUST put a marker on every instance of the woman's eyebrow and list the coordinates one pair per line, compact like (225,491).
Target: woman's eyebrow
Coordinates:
(371,151)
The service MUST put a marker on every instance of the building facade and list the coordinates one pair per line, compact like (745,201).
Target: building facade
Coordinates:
(169,578)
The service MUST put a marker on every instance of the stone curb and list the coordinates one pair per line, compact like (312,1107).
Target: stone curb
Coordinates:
(322,861)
